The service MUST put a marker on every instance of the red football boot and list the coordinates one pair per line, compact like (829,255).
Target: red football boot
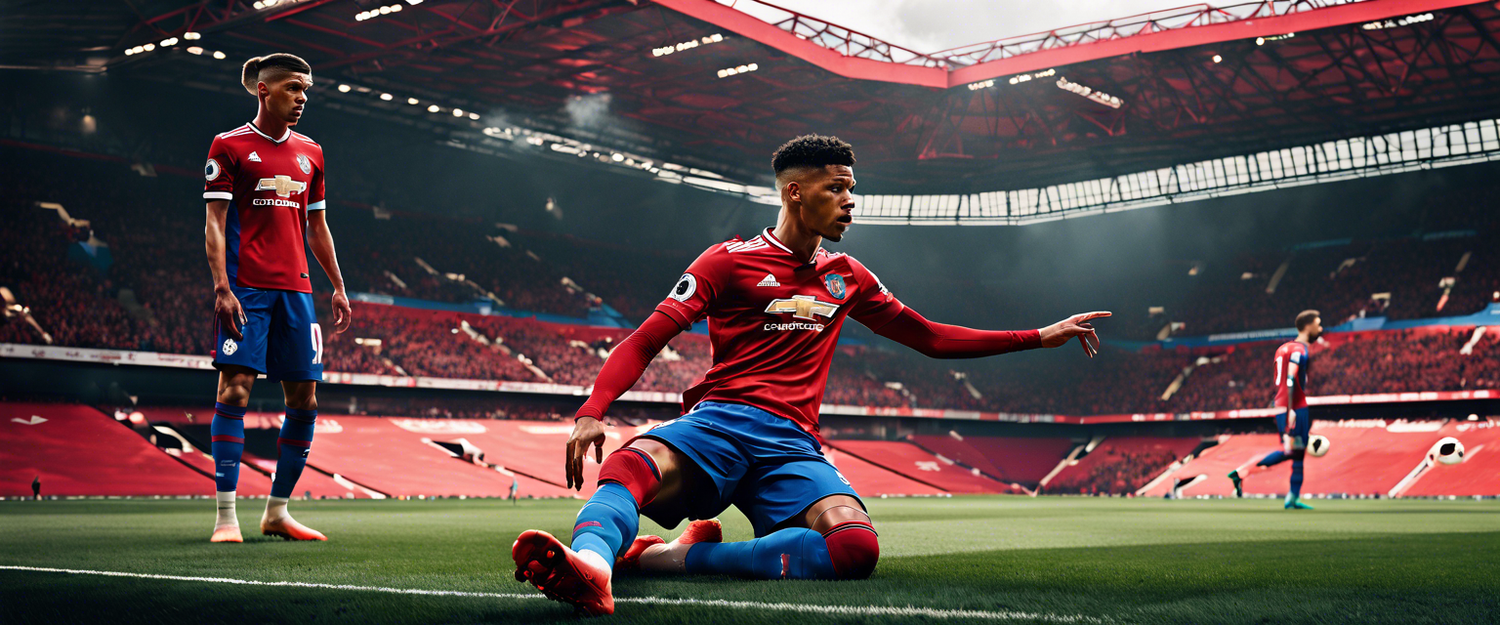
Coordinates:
(288,528)
(563,574)
(707,531)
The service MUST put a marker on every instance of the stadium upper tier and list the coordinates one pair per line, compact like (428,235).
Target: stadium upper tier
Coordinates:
(695,91)
(137,282)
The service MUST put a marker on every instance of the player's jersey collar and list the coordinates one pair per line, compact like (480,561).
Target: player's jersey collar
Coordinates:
(283,138)
(771,238)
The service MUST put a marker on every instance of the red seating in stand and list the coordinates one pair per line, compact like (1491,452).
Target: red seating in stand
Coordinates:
(77,450)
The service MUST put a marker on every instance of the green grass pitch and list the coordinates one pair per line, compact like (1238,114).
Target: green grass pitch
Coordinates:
(996,559)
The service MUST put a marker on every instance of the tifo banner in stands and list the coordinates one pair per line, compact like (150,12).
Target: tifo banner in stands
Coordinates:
(180,361)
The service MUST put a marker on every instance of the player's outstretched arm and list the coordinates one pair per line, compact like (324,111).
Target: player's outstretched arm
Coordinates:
(940,340)
(621,371)
(227,309)
(321,242)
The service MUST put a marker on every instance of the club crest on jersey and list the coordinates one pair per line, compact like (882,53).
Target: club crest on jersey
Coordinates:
(230,347)
(284,186)
(835,284)
(254,158)
(304,163)
(211,170)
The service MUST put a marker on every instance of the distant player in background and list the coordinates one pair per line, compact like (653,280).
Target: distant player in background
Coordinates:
(265,193)
(1292,363)
(515,491)
(775,304)
(36,488)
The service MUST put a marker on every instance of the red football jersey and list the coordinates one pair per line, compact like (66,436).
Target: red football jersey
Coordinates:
(271,184)
(773,322)
(1287,384)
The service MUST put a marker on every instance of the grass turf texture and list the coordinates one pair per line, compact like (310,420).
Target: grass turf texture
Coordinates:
(1115,560)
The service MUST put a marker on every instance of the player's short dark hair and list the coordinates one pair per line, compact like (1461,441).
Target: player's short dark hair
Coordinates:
(272,67)
(812,151)
(1306,317)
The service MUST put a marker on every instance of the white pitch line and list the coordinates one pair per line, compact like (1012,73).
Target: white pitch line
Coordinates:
(836,610)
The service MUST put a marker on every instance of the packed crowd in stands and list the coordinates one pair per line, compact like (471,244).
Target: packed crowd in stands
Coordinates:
(156,296)
(1123,470)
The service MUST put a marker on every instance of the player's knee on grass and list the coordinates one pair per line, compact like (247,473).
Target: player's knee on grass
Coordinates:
(853,545)
(635,470)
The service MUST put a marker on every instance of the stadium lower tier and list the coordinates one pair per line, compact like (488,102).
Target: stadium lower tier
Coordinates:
(77,450)
(1365,458)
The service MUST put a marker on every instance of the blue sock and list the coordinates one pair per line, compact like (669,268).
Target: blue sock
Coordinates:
(1296,491)
(294,443)
(607,523)
(227,442)
(792,553)
(1274,458)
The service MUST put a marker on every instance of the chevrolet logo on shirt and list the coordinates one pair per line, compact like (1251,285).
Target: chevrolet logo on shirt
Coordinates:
(803,307)
(284,186)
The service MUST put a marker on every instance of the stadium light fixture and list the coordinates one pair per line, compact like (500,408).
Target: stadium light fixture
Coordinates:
(169,42)
(149,47)
(1020,78)
(192,36)
(687,45)
(433,109)
(984,84)
(1087,92)
(1218,58)
(458,112)
(1398,22)
(474,116)
(412,101)
(385,10)
(345,88)
(130,52)
(219,55)
(739,69)
(259,5)
(387,97)
(195,50)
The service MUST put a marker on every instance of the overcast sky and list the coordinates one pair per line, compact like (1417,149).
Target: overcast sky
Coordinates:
(933,25)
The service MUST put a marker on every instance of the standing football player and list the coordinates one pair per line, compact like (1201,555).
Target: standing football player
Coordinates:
(265,196)
(1292,362)
(775,304)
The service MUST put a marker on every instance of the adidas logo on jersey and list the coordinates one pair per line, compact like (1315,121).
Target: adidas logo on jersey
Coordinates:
(769,281)
(254,158)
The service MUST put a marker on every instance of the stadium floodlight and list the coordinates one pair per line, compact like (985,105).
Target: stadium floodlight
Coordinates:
(687,45)
(738,69)
(387,97)
(192,36)
(412,101)
(434,108)
(219,55)
(129,51)
(259,5)
(617,157)
(983,84)
(458,112)
(168,42)
(1218,58)
(149,47)
(414,2)
(345,88)
(194,50)
(474,116)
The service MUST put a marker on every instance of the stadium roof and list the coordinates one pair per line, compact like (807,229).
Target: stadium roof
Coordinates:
(593,78)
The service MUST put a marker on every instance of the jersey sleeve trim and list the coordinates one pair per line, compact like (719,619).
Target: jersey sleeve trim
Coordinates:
(317,206)
(218,195)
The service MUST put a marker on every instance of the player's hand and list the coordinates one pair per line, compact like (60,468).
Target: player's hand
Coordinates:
(1286,444)
(1061,332)
(230,314)
(587,431)
(342,314)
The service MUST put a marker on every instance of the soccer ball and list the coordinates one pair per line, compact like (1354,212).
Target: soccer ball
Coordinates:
(1317,446)
(1447,451)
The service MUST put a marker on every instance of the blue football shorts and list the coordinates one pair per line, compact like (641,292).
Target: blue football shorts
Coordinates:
(763,464)
(1300,432)
(282,338)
